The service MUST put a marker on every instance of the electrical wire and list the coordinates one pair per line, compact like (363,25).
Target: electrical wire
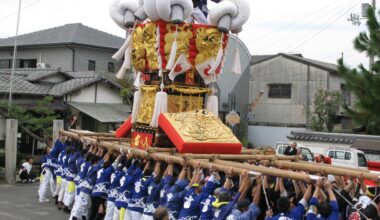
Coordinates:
(323,29)
(23,8)
(291,24)
(330,14)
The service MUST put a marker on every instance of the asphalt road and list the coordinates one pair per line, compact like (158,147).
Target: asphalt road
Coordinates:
(20,202)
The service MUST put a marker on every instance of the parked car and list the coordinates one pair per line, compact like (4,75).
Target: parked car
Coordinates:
(340,156)
(280,148)
(347,157)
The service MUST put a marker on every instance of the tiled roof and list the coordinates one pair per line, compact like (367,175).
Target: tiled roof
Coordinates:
(71,85)
(104,113)
(359,141)
(256,59)
(28,81)
(67,34)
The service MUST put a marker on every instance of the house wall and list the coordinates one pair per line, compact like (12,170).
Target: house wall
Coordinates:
(100,56)
(268,135)
(2,128)
(55,57)
(96,93)
(304,80)
(107,94)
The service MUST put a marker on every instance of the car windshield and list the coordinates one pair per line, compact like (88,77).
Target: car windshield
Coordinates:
(362,162)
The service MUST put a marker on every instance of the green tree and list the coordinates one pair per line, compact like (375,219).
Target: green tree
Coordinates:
(365,84)
(127,91)
(38,122)
(326,106)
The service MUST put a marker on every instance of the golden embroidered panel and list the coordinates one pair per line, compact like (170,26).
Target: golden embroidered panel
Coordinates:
(146,106)
(196,126)
(178,103)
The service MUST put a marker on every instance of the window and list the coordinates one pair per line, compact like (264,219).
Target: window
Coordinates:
(346,95)
(5,64)
(280,91)
(340,155)
(306,152)
(362,162)
(111,67)
(28,63)
(281,150)
(91,65)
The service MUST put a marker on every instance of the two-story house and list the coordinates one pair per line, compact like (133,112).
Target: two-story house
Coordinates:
(289,83)
(71,47)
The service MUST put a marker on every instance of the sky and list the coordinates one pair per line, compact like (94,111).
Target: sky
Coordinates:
(318,29)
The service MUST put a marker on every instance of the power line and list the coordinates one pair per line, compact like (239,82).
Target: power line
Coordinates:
(287,35)
(23,8)
(324,28)
(291,24)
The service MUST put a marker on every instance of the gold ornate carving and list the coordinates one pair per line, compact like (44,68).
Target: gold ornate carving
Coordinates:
(200,127)
(150,40)
(180,103)
(189,90)
(208,42)
(138,49)
(146,105)
(183,39)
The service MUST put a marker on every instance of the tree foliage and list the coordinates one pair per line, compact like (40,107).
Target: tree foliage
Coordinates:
(37,122)
(365,84)
(326,107)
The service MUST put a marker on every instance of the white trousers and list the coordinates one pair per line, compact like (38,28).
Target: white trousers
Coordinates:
(62,190)
(110,210)
(135,215)
(69,196)
(128,215)
(47,180)
(116,213)
(146,217)
(82,206)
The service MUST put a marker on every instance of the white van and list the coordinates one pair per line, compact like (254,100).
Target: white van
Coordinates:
(347,157)
(340,156)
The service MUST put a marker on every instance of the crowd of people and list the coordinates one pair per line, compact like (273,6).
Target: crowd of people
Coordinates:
(89,182)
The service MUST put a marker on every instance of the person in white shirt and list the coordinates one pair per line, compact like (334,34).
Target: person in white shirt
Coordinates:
(25,171)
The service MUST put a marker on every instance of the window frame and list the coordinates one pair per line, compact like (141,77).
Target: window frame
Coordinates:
(91,63)
(280,87)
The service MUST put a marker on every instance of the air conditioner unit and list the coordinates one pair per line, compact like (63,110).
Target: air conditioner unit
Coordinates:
(42,65)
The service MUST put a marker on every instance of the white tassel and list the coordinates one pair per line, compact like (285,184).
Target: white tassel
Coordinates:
(137,81)
(119,54)
(160,106)
(218,60)
(136,103)
(121,73)
(236,66)
(127,58)
(212,105)
(173,54)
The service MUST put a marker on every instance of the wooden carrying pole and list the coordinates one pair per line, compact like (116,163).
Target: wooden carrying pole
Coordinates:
(239,157)
(324,170)
(267,171)
(222,165)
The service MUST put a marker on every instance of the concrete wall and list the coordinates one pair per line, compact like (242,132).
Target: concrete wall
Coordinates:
(285,111)
(108,94)
(2,128)
(267,135)
(100,56)
(55,57)
(96,93)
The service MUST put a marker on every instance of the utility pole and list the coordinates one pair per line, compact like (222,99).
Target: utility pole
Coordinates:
(14,57)
(371,57)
